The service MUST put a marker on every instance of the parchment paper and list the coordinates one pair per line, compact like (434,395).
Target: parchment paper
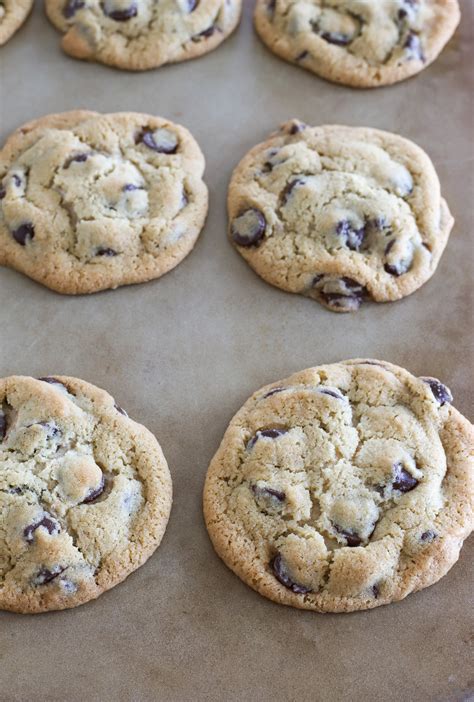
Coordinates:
(182,354)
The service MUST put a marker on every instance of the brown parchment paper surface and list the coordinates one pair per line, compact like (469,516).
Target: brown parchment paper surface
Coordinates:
(182,354)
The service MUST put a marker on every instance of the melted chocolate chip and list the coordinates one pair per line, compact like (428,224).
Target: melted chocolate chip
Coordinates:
(428,536)
(94,494)
(204,34)
(351,537)
(288,189)
(273,494)
(348,299)
(352,237)
(281,574)
(266,434)
(46,575)
(103,251)
(24,234)
(441,393)
(403,480)
(414,47)
(337,38)
(51,526)
(273,392)
(302,56)
(3,425)
(119,409)
(120,15)
(332,393)
(71,7)
(248,229)
(163,141)
(52,381)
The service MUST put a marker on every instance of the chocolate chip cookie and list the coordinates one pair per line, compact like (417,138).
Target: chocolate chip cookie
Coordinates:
(339,214)
(361,43)
(142,34)
(90,201)
(85,493)
(12,15)
(343,487)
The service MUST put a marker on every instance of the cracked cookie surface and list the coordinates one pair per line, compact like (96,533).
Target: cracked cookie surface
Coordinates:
(142,34)
(343,487)
(12,15)
(361,43)
(339,214)
(85,493)
(90,202)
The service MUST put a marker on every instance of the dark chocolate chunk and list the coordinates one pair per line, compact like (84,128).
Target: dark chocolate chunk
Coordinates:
(71,7)
(161,140)
(46,575)
(441,393)
(302,56)
(337,38)
(94,494)
(375,591)
(24,233)
(288,189)
(414,47)
(428,536)
(266,434)
(3,192)
(204,34)
(351,537)
(248,229)
(352,237)
(118,14)
(275,495)
(403,480)
(51,526)
(3,425)
(281,574)
(104,251)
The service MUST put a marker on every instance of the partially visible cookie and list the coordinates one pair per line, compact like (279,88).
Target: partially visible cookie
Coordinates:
(361,43)
(142,34)
(85,493)
(91,201)
(343,487)
(12,15)
(339,214)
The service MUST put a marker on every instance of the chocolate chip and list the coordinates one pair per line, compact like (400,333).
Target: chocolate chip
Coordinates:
(297,127)
(248,229)
(337,38)
(17,180)
(414,47)
(332,393)
(120,15)
(119,409)
(52,381)
(3,425)
(428,536)
(351,537)
(281,574)
(24,234)
(78,158)
(276,495)
(51,428)
(271,5)
(161,140)
(273,392)
(51,526)
(375,590)
(94,494)
(192,4)
(71,7)
(46,575)
(130,187)
(302,56)
(441,393)
(15,491)
(343,294)
(288,189)
(353,238)
(266,434)
(104,251)
(398,268)
(3,192)
(205,34)
(403,480)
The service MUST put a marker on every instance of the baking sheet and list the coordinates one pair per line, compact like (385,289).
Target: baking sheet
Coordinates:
(181,354)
